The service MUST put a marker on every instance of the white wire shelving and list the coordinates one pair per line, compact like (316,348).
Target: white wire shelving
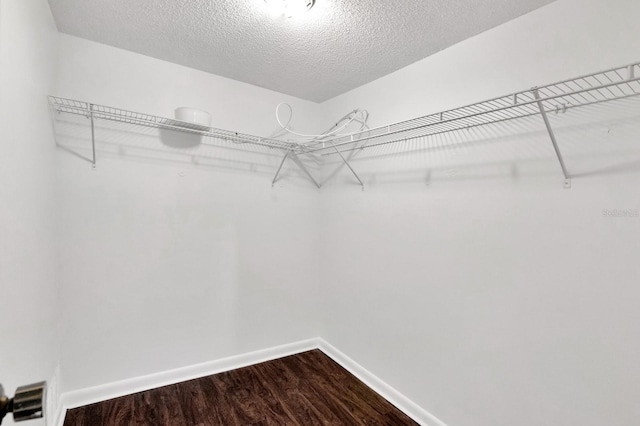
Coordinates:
(612,84)
(100,112)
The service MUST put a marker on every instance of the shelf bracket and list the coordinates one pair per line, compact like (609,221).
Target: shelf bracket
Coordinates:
(93,137)
(347,163)
(552,136)
(275,178)
(303,168)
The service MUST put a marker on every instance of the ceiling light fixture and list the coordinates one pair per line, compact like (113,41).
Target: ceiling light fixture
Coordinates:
(289,8)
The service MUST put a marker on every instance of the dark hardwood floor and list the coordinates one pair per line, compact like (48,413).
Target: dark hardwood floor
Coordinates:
(304,389)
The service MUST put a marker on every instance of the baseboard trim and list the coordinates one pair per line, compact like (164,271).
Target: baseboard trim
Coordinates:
(107,391)
(405,405)
(58,419)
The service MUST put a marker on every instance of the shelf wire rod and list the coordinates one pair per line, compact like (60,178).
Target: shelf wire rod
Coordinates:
(275,178)
(477,120)
(501,102)
(548,91)
(413,120)
(447,120)
(430,119)
(562,98)
(476,109)
(413,134)
(504,102)
(608,88)
(468,116)
(572,90)
(619,87)
(600,101)
(581,87)
(624,79)
(447,130)
(424,135)
(503,113)
(455,114)
(572,101)
(529,109)
(559,96)
(543,113)
(348,165)
(472,109)
(128,117)
(606,95)
(589,75)
(450,130)
(441,127)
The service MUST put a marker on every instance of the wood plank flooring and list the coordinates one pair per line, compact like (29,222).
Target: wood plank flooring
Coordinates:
(305,389)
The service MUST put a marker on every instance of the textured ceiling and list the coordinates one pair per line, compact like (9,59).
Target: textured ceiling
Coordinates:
(337,46)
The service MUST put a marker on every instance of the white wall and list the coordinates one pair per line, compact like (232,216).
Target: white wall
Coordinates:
(29,348)
(556,42)
(128,80)
(467,277)
(491,296)
(167,263)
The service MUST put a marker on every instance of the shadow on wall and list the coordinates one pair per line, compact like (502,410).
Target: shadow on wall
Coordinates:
(599,139)
(130,142)
(179,140)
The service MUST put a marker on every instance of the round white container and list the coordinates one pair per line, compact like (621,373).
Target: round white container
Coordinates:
(193,116)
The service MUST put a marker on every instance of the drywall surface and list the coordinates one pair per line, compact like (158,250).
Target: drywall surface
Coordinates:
(28,287)
(175,251)
(491,306)
(562,40)
(465,275)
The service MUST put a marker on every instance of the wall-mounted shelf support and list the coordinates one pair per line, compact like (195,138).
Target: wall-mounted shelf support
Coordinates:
(306,171)
(347,163)
(592,89)
(275,178)
(552,136)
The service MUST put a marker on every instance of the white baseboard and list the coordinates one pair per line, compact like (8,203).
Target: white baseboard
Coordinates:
(107,391)
(405,405)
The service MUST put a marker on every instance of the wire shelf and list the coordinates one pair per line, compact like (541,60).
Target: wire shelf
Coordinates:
(557,98)
(603,86)
(101,112)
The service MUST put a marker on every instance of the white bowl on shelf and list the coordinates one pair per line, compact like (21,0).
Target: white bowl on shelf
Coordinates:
(193,116)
